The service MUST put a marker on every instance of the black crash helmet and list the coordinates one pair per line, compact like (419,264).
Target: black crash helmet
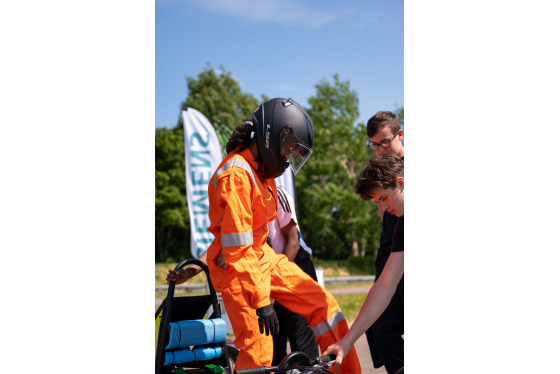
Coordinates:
(284,134)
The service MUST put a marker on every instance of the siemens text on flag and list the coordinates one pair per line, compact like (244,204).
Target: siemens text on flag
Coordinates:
(202,157)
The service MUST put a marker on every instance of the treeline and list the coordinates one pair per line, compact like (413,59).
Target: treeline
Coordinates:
(334,221)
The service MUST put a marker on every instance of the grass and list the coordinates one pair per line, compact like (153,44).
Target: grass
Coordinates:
(351,305)
(349,285)
(331,268)
(345,268)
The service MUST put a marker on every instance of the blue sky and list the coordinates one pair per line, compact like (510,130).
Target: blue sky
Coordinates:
(280,49)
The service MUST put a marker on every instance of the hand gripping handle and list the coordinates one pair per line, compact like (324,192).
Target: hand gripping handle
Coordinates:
(328,358)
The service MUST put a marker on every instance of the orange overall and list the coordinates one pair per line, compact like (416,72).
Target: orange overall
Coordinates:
(241,205)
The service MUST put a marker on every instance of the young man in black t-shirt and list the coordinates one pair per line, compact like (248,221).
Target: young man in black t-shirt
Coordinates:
(385,335)
(383,181)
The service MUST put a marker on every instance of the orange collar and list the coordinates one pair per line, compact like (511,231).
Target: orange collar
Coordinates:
(248,156)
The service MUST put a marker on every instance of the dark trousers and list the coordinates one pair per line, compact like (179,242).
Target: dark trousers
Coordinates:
(386,345)
(293,326)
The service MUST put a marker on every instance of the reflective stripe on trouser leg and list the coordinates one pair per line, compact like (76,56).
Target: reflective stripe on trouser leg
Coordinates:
(298,292)
(351,363)
(324,327)
(255,349)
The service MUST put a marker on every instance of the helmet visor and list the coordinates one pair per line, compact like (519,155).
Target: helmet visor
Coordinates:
(293,149)
(299,156)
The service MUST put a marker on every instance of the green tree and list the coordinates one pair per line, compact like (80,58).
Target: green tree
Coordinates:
(219,98)
(336,222)
(171,213)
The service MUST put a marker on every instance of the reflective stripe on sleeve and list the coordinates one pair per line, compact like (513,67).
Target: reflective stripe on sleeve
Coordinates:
(237,163)
(233,240)
(329,325)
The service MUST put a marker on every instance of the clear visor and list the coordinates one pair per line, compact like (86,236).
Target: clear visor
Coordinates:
(299,156)
(293,150)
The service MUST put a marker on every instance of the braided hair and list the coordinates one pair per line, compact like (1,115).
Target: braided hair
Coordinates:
(241,137)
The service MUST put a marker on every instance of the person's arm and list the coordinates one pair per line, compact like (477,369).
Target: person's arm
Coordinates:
(377,300)
(183,275)
(290,233)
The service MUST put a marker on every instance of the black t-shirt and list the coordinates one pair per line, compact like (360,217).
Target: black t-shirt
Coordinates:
(398,246)
(386,238)
(398,236)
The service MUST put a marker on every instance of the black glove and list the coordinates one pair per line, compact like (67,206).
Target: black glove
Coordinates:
(268,320)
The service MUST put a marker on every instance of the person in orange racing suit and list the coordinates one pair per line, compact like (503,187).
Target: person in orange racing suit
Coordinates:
(242,199)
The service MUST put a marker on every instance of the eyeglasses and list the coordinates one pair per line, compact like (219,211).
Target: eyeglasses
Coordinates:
(385,143)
